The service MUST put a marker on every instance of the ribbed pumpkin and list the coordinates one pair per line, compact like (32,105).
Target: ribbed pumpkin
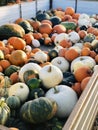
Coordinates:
(38,110)
(4,111)
(13,102)
(11,29)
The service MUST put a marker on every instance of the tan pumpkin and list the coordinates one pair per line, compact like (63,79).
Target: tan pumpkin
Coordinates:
(18,57)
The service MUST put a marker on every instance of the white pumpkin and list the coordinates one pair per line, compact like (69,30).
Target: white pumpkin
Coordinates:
(61,63)
(57,48)
(82,61)
(40,56)
(19,89)
(60,37)
(35,43)
(84,16)
(65,97)
(50,76)
(28,48)
(26,67)
(74,37)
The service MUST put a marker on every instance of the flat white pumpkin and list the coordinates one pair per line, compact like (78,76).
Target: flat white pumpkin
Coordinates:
(82,61)
(50,76)
(61,63)
(27,67)
(65,97)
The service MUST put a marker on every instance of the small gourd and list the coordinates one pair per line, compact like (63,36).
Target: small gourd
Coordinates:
(38,110)
(4,111)
(13,102)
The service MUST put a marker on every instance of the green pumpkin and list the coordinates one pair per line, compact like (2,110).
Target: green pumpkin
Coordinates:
(42,16)
(13,102)
(36,92)
(4,111)
(26,26)
(17,123)
(10,30)
(33,83)
(38,110)
(89,38)
(11,69)
(52,54)
(69,25)
(55,20)
(68,79)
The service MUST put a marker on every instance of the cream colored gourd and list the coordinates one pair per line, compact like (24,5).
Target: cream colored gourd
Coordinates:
(40,56)
(61,63)
(82,61)
(74,37)
(35,43)
(27,67)
(65,97)
(50,76)
(19,89)
(60,37)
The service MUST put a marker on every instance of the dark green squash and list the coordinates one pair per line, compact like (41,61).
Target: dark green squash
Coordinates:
(52,54)
(38,110)
(11,29)
(33,83)
(13,102)
(89,37)
(55,20)
(42,15)
(11,69)
(39,92)
(68,79)
(18,123)
(26,26)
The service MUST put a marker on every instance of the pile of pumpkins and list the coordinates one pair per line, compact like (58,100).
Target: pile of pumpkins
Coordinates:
(45,64)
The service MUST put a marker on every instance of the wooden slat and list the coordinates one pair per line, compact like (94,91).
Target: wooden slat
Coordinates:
(86,109)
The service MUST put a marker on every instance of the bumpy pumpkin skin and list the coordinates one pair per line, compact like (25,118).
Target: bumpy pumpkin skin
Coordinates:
(9,30)
(38,110)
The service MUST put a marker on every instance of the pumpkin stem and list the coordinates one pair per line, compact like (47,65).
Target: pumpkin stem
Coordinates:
(49,69)
(59,62)
(55,90)
(35,95)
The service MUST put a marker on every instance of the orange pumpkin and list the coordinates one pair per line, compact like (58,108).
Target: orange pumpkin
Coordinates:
(46,21)
(35,24)
(17,43)
(14,77)
(5,63)
(59,29)
(82,73)
(69,10)
(85,82)
(77,88)
(71,54)
(45,28)
(28,38)
(65,43)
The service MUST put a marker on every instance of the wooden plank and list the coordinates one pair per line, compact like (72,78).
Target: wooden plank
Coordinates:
(86,109)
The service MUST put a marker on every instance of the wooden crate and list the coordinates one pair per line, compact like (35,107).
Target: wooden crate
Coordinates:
(86,109)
